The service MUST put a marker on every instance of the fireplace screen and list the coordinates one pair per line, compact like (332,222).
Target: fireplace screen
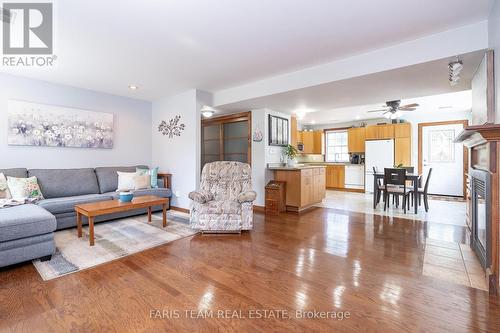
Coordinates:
(481,223)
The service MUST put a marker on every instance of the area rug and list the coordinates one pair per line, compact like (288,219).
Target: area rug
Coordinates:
(113,240)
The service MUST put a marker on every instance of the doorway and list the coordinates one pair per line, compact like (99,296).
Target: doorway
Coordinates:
(447,159)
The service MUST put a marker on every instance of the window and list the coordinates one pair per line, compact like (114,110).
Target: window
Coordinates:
(336,146)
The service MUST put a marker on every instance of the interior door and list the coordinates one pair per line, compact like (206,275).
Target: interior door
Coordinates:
(444,157)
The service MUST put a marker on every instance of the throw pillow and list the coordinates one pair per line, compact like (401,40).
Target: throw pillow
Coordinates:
(142,182)
(24,188)
(151,172)
(4,189)
(125,181)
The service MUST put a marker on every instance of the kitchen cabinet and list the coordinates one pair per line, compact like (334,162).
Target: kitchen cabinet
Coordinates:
(305,186)
(293,132)
(318,142)
(312,141)
(308,142)
(402,151)
(379,132)
(402,130)
(356,140)
(335,176)
(402,144)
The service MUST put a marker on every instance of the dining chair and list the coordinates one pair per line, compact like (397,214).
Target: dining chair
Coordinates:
(424,191)
(395,184)
(380,187)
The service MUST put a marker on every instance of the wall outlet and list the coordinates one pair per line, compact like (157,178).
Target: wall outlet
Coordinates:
(177,194)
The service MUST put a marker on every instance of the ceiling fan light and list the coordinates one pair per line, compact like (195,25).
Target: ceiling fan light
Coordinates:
(387,115)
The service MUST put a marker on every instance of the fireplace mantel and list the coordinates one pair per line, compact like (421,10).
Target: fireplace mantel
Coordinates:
(477,135)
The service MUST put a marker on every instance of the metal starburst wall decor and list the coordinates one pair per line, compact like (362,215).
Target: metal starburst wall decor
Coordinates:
(172,128)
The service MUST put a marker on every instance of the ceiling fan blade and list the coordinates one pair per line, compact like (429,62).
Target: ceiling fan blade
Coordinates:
(413,105)
(407,109)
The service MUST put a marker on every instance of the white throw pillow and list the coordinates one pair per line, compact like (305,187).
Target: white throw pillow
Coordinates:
(126,181)
(4,189)
(142,182)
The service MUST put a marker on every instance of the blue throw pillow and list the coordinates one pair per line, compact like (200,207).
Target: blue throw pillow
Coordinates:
(152,172)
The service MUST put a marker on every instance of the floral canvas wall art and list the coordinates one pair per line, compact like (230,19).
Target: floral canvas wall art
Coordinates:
(33,124)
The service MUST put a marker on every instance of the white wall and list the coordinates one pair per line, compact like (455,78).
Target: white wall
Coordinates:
(180,155)
(262,153)
(132,123)
(494,43)
(427,117)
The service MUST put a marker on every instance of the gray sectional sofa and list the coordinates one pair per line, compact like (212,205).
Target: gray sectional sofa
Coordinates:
(27,231)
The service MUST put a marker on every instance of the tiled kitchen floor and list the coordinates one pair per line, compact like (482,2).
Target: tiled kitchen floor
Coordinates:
(446,258)
(440,211)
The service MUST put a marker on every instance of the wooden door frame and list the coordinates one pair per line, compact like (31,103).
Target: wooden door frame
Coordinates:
(466,151)
(230,118)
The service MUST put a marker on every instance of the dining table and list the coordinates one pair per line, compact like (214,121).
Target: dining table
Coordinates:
(414,177)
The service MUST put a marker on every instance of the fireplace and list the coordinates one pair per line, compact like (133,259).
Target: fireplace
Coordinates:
(481,215)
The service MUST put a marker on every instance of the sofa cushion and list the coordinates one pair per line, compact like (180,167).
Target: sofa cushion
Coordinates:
(159,192)
(17,172)
(56,183)
(108,176)
(221,207)
(25,221)
(67,204)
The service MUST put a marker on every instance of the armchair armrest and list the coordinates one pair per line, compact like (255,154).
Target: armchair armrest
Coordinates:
(247,196)
(201,196)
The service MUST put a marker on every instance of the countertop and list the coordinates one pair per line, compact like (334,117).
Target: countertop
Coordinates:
(295,168)
(332,163)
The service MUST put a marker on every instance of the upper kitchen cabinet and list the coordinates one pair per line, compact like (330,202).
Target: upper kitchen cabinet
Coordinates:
(356,140)
(402,130)
(294,133)
(312,141)
(318,142)
(308,142)
(379,132)
(402,144)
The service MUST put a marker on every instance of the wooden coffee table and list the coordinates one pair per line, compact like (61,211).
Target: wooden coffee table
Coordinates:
(91,210)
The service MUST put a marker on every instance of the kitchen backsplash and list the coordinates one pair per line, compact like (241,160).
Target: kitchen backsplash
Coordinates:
(310,158)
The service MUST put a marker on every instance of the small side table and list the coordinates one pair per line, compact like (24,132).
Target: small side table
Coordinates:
(275,197)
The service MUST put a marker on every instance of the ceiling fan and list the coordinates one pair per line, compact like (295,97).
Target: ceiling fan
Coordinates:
(392,109)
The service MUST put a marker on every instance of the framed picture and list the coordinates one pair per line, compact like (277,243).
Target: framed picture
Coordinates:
(34,124)
(278,131)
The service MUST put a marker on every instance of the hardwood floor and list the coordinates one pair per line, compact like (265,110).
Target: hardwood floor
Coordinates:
(323,260)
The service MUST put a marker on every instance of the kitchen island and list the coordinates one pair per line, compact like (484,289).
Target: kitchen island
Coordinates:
(305,185)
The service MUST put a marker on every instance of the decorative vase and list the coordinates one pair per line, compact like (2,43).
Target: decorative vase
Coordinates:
(126,196)
(291,162)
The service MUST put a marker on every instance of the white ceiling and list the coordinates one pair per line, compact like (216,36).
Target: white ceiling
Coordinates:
(166,47)
(344,100)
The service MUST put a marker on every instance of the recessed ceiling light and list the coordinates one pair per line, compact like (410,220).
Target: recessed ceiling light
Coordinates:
(133,87)
(358,117)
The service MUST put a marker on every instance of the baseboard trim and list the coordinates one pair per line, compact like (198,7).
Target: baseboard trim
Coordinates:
(179,209)
(260,209)
(344,189)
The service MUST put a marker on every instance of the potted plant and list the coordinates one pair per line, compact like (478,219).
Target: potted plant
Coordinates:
(290,153)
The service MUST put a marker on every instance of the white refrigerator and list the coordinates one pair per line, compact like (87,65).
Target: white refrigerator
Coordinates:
(379,154)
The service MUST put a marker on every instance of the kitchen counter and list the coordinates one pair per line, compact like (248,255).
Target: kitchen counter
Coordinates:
(305,185)
(295,168)
(333,163)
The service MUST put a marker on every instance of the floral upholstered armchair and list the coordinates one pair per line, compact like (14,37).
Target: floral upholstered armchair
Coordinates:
(224,201)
